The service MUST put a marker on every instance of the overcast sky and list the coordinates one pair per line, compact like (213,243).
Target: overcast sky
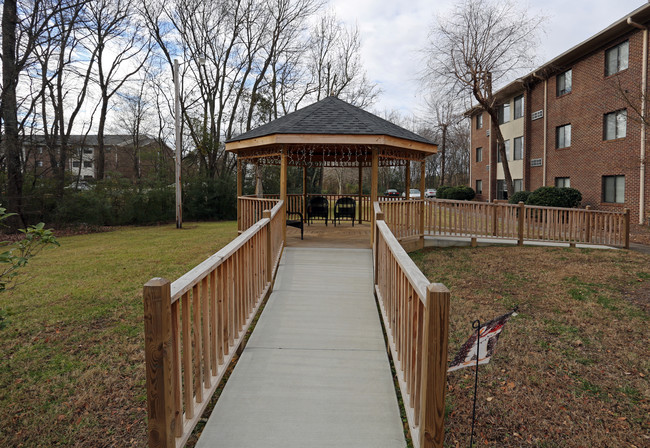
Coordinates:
(393,33)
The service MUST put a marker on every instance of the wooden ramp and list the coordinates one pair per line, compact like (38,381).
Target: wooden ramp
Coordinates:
(315,372)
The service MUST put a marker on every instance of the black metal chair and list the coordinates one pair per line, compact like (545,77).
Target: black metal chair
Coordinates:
(297,223)
(318,208)
(345,208)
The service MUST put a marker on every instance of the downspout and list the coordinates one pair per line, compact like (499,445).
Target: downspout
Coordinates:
(644,83)
(472,157)
(545,129)
(491,168)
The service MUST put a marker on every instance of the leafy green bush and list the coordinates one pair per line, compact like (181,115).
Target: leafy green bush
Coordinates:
(459,193)
(554,197)
(441,192)
(520,196)
(574,196)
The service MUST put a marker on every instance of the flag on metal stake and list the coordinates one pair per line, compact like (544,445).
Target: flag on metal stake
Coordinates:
(488,337)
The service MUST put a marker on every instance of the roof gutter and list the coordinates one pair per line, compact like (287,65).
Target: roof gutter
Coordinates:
(644,91)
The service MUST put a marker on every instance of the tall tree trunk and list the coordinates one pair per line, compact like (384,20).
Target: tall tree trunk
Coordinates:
(101,147)
(442,155)
(9,113)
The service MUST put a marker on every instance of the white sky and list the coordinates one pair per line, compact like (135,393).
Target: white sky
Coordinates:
(394,32)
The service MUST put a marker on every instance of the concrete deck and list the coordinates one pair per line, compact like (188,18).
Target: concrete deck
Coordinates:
(315,372)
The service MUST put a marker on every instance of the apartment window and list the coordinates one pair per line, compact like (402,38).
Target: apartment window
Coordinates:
(519,148)
(479,187)
(502,190)
(479,121)
(40,150)
(615,125)
(519,107)
(39,163)
(518,184)
(614,189)
(479,154)
(504,113)
(563,83)
(88,150)
(563,182)
(88,164)
(76,164)
(616,58)
(507,148)
(563,136)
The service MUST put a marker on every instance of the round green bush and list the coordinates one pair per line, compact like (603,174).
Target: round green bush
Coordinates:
(554,197)
(460,193)
(574,197)
(441,192)
(520,196)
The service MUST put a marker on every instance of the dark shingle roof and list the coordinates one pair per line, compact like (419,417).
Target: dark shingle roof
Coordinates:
(331,116)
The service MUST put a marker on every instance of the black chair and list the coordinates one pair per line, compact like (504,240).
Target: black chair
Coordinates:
(345,208)
(318,208)
(297,223)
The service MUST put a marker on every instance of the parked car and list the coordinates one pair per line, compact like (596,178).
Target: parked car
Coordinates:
(430,193)
(391,192)
(414,193)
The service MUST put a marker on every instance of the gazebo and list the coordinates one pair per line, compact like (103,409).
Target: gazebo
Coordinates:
(330,133)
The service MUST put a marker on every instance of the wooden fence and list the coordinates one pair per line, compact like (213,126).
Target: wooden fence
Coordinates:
(508,221)
(415,313)
(194,326)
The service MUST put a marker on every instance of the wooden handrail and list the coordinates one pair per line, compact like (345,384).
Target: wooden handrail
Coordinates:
(194,326)
(506,221)
(415,313)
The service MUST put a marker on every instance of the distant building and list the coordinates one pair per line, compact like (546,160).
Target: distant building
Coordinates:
(575,121)
(122,156)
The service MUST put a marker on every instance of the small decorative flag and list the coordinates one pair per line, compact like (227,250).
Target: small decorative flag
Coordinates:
(488,337)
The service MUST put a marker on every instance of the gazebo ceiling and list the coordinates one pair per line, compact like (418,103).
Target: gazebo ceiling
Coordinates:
(330,132)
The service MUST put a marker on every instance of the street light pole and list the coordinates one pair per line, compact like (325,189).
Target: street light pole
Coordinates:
(177,125)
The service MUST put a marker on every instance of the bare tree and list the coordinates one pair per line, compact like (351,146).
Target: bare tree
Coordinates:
(115,33)
(65,70)
(482,43)
(24,26)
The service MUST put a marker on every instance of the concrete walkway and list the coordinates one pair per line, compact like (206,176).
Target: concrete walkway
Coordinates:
(315,372)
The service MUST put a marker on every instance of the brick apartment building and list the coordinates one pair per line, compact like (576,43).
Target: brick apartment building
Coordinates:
(122,157)
(576,121)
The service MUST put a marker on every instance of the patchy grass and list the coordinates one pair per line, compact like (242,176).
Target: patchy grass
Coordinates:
(72,350)
(572,369)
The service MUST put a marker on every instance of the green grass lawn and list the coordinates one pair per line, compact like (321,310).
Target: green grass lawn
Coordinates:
(72,369)
(572,369)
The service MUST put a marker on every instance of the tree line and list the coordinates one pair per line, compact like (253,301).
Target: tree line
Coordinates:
(74,67)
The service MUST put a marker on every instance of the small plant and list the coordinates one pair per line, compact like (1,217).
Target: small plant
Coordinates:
(18,254)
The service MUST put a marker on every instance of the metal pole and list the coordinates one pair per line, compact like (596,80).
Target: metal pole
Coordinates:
(177,125)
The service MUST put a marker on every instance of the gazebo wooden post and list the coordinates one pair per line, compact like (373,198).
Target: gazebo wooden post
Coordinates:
(374,178)
(304,192)
(407,180)
(239,192)
(423,209)
(283,192)
(360,190)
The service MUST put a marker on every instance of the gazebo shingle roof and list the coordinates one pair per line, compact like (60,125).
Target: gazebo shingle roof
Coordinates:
(331,116)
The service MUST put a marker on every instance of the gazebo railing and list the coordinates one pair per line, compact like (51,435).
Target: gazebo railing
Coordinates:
(250,210)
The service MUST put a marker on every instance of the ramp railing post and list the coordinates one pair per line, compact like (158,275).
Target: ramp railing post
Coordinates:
(434,367)
(158,359)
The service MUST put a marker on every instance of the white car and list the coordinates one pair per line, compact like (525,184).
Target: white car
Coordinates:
(430,193)
(414,193)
